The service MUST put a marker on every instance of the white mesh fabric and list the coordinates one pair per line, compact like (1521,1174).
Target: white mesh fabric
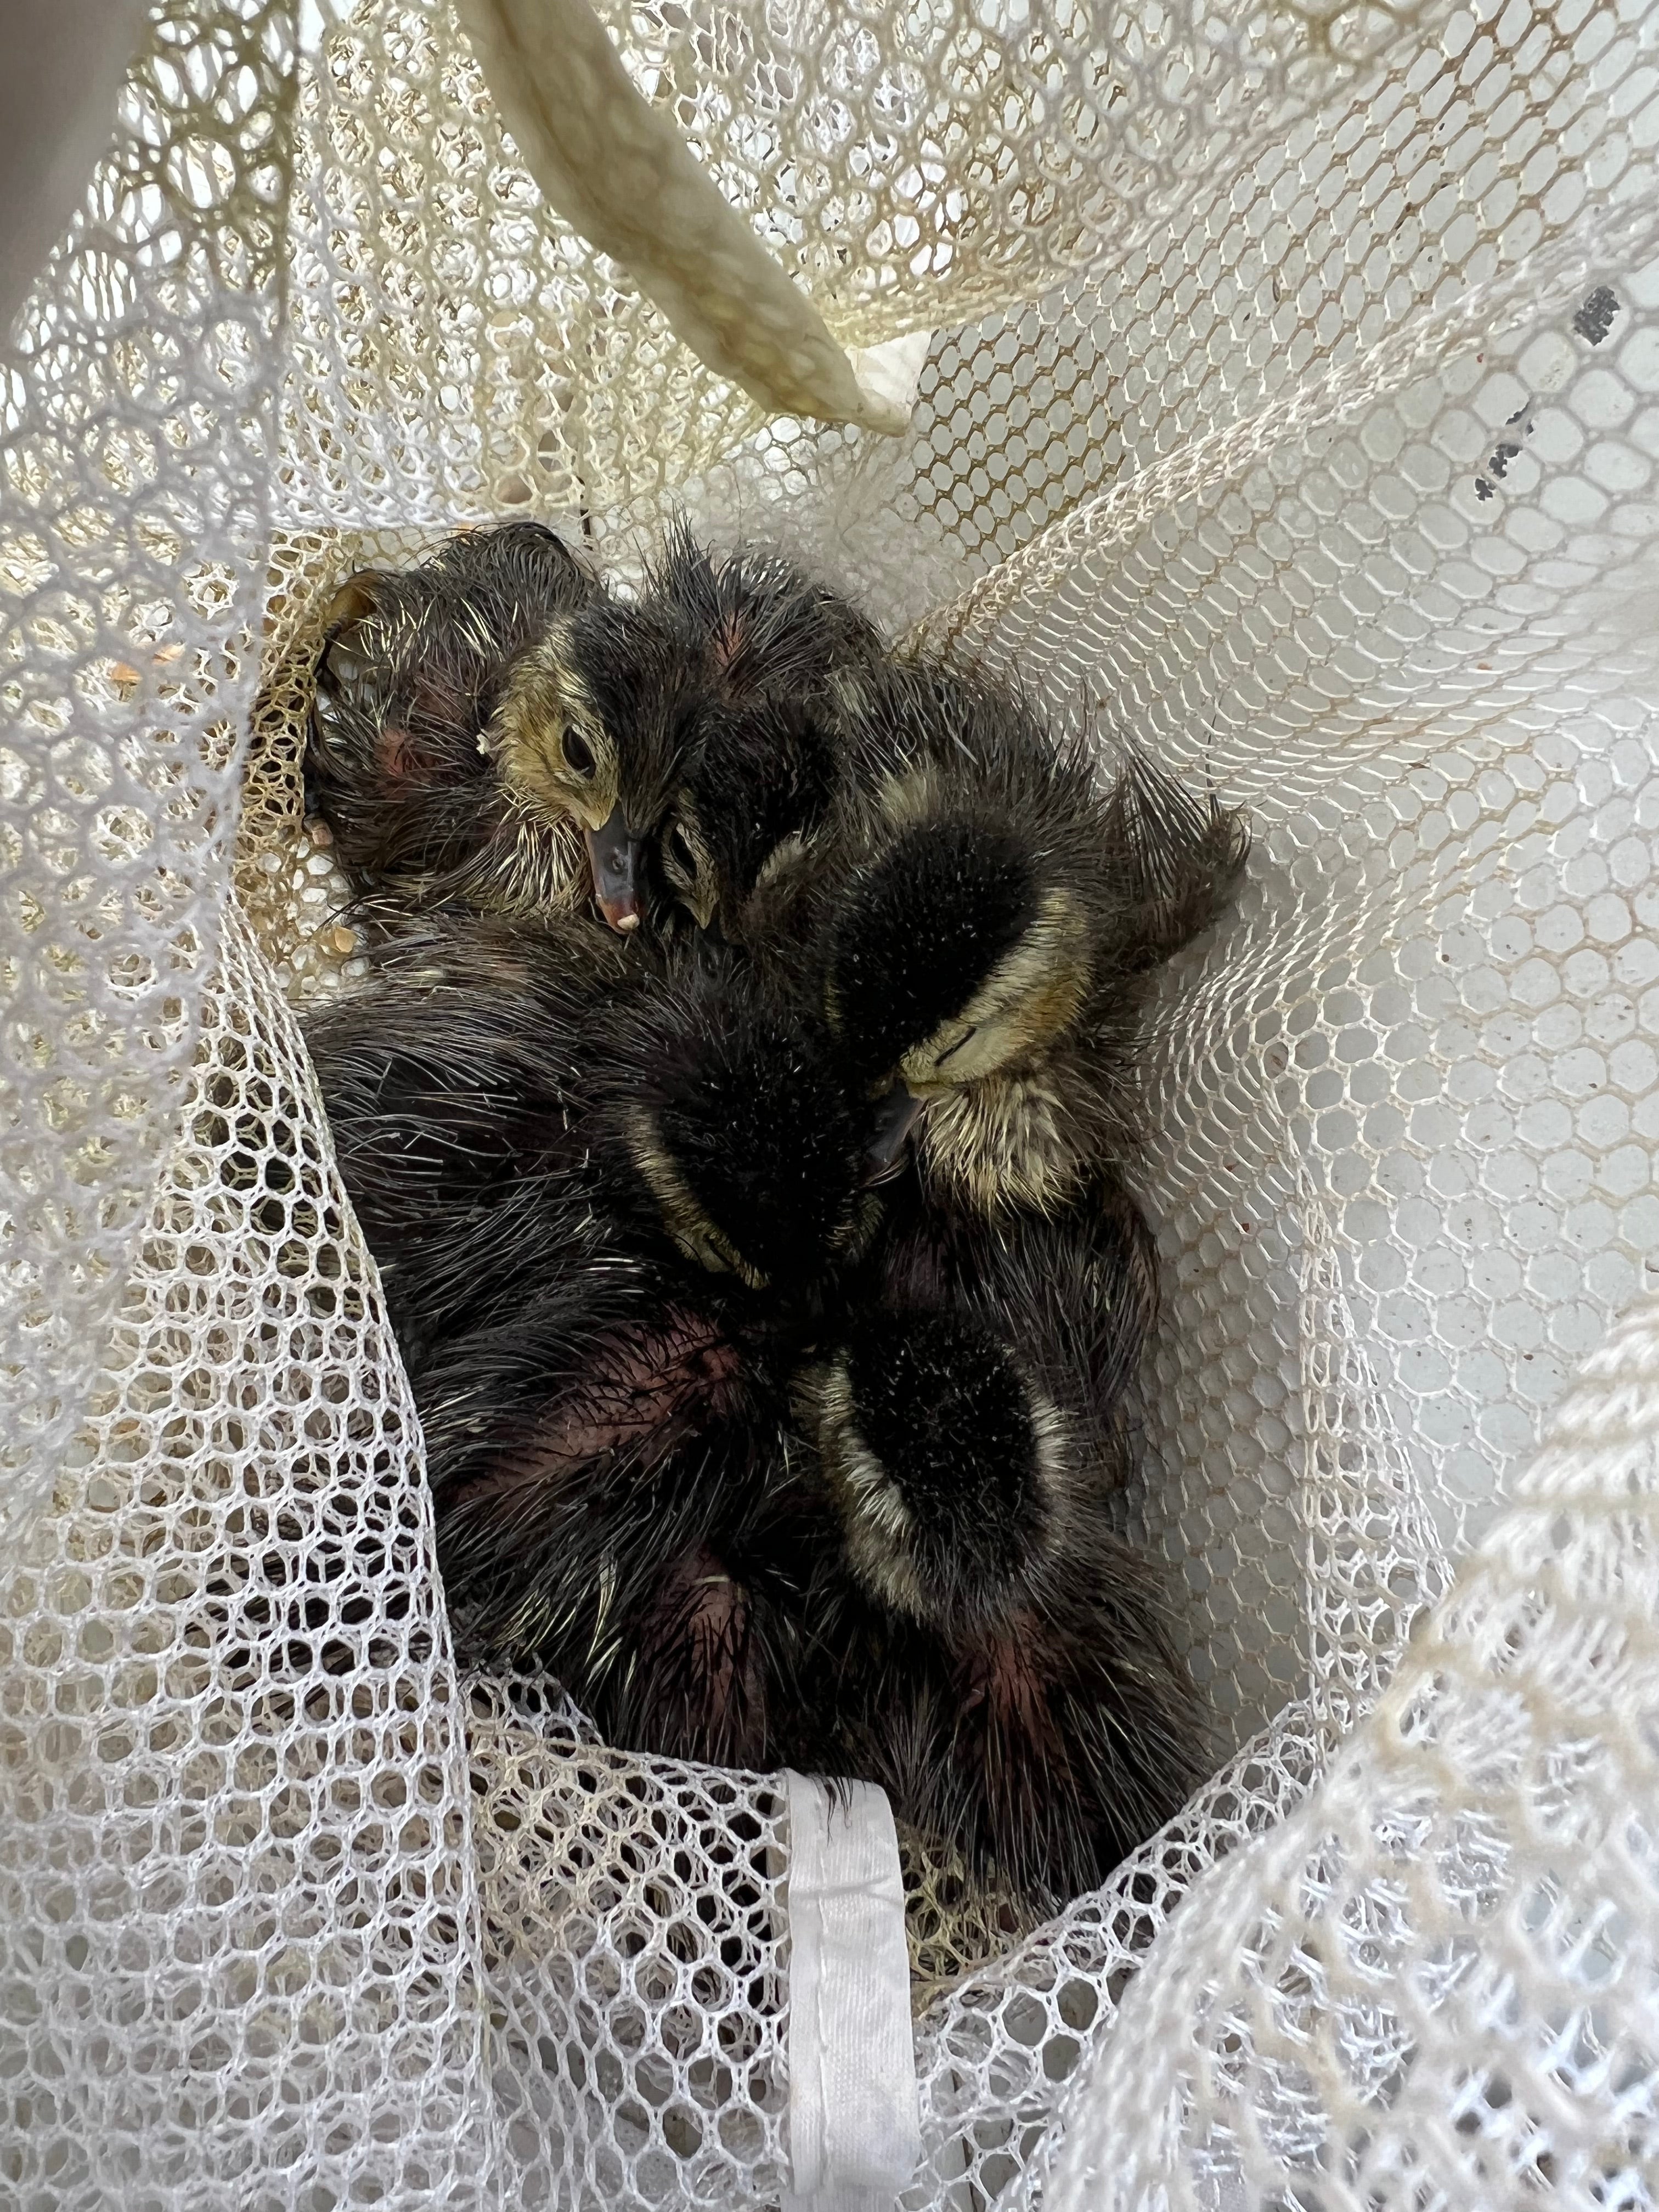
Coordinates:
(239,1923)
(1435,1983)
(1293,408)
(139,449)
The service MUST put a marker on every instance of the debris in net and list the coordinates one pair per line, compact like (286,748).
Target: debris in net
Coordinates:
(1594,319)
(704,1237)
(1506,450)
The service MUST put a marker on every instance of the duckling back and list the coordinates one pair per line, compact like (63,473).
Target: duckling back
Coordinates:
(458,1076)
(990,936)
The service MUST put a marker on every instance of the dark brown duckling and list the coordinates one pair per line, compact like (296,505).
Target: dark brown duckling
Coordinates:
(988,926)
(593,727)
(480,718)
(994,1649)
(602,1238)
(763,767)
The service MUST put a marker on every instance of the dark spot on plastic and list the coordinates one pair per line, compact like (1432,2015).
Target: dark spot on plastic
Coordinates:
(1595,319)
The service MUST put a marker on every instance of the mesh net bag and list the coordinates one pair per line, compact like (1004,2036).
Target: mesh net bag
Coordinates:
(1280,389)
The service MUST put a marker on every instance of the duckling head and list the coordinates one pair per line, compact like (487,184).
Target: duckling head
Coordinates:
(945,1466)
(959,950)
(747,1141)
(762,626)
(592,723)
(757,782)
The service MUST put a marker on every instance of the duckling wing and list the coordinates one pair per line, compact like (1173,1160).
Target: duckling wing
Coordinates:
(1178,859)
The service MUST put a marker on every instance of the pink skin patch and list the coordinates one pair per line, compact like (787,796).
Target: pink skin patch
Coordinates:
(1004,1684)
(642,1393)
(394,754)
(728,643)
(732,650)
(706,1610)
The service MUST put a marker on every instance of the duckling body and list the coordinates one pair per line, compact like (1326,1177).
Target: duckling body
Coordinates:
(460,1079)
(603,1210)
(409,677)
(989,936)
(997,1650)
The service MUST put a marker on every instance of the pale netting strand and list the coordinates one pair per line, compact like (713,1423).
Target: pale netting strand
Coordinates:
(1291,405)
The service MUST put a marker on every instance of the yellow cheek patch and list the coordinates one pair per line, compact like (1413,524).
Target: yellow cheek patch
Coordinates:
(683,1217)
(1033,992)
(544,696)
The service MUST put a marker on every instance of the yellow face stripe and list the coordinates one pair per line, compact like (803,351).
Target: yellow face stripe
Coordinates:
(683,1217)
(544,696)
(1028,997)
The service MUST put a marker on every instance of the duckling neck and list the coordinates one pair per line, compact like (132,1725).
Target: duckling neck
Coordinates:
(1027,1136)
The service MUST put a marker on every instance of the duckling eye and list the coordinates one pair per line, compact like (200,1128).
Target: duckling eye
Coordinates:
(578,753)
(968,1034)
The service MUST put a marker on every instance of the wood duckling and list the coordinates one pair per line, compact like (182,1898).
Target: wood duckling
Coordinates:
(994,1650)
(762,768)
(989,928)
(481,718)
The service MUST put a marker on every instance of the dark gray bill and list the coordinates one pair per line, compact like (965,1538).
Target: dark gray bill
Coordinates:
(896,1115)
(613,853)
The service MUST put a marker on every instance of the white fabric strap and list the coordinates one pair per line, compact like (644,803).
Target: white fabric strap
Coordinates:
(618,171)
(854,2133)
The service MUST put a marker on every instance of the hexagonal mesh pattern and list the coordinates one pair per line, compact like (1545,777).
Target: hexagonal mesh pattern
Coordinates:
(1292,407)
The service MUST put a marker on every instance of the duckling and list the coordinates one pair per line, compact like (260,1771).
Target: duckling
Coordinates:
(478,717)
(409,676)
(989,938)
(993,1646)
(763,767)
(598,1249)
